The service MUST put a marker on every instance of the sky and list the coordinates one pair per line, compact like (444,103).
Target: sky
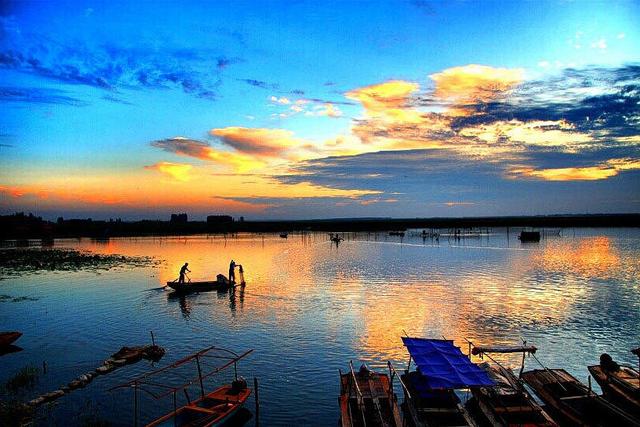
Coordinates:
(296,109)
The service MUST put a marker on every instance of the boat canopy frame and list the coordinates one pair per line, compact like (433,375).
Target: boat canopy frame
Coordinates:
(226,357)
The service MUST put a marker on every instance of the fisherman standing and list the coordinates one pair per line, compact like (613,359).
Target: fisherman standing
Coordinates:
(232,271)
(183,271)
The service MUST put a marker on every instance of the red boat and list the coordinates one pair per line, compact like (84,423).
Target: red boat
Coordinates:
(7,338)
(210,409)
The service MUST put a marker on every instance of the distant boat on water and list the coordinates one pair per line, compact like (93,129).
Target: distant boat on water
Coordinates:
(396,233)
(529,236)
(284,235)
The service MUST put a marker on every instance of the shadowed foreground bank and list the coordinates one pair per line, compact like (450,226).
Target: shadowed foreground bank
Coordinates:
(21,226)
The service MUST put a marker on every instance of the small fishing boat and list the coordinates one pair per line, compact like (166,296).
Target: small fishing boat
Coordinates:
(221,284)
(429,391)
(215,408)
(508,403)
(7,338)
(529,236)
(367,399)
(620,384)
(396,233)
(573,402)
(284,235)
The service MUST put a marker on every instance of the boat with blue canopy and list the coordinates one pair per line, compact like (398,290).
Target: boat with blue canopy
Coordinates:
(429,391)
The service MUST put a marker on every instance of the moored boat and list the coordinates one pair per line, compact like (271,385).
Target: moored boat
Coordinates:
(508,403)
(215,408)
(529,236)
(430,397)
(367,399)
(573,402)
(619,384)
(7,338)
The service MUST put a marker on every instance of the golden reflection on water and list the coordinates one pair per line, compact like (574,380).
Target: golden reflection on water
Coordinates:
(593,257)
(305,280)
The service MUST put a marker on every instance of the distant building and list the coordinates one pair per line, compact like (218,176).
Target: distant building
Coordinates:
(219,219)
(179,218)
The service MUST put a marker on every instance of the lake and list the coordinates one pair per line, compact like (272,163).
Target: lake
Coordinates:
(310,306)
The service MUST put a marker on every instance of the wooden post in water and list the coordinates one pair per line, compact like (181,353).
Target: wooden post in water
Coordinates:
(257,398)
(200,377)
(175,410)
(153,340)
(135,404)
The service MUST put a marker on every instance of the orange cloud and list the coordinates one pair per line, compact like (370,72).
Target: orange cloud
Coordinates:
(388,100)
(452,204)
(605,170)
(203,151)
(329,110)
(592,173)
(474,82)
(12,191)
(179,171)
(547,133)
(259,141)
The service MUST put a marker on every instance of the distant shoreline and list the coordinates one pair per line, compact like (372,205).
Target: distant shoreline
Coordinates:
(20,226)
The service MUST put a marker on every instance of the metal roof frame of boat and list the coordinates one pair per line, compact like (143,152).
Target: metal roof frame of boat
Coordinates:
(229,357)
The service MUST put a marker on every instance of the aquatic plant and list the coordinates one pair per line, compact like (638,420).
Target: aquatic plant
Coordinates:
(26,378)
(19,260)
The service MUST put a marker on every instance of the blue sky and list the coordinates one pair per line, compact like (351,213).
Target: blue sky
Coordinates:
(303,109)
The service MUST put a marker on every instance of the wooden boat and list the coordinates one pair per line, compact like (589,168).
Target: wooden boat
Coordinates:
(620,384)
(508,403)
(437,408)
(529,236)
(570,400)
(429,391)
(367,399)
(221,284)
(210,409)
(7,338)
(214,409)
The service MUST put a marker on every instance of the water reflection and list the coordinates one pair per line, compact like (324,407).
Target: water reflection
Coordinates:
(593,258)
(311,304)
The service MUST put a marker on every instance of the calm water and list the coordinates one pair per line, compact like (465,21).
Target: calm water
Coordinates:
(310,307)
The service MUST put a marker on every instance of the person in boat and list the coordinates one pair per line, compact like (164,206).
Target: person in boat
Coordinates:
(232,271)
(183,271)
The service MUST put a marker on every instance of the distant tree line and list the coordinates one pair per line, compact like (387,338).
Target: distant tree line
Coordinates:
(28,226)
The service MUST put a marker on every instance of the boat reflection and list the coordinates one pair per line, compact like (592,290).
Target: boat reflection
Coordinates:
(236,294)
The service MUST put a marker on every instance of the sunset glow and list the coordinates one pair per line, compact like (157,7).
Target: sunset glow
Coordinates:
(318,110)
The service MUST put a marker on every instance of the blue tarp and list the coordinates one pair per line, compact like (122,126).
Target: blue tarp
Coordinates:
(443,365)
